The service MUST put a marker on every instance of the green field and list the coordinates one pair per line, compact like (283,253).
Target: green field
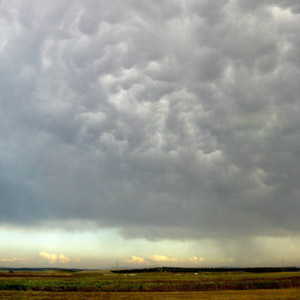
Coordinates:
(107,285)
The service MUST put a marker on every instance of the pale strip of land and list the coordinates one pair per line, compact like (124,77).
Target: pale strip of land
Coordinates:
(286,294)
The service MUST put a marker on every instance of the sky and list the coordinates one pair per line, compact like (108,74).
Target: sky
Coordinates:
(149,133)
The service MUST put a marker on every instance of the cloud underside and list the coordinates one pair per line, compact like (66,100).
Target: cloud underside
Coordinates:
(163,120)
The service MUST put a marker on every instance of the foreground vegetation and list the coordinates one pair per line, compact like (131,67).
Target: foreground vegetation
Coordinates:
(64,281)
(286,294)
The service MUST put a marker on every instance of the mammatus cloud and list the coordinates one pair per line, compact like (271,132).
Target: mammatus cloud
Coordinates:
(154,259)
(170,119)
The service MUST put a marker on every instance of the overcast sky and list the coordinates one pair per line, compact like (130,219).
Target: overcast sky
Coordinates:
(153,125)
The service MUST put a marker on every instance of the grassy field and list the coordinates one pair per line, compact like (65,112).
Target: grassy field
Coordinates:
(97,285)
(283,294)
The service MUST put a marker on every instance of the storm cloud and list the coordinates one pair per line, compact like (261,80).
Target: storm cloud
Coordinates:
(162,119)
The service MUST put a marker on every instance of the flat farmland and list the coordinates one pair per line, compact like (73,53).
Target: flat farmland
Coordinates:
(161,285)
(282,294)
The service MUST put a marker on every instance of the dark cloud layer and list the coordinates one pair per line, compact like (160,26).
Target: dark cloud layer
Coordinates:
(164,119)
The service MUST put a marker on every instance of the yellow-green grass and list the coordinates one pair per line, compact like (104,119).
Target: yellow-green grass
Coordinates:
(286,294)
(81,282)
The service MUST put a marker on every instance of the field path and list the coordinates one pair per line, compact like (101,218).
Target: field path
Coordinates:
(283,294)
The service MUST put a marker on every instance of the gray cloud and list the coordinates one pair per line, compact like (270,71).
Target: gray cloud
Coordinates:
(164,120)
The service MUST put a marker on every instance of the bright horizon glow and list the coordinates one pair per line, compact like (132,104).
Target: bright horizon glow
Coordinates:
(90,250)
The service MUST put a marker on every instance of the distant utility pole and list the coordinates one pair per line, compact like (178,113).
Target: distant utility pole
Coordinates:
(117,265)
